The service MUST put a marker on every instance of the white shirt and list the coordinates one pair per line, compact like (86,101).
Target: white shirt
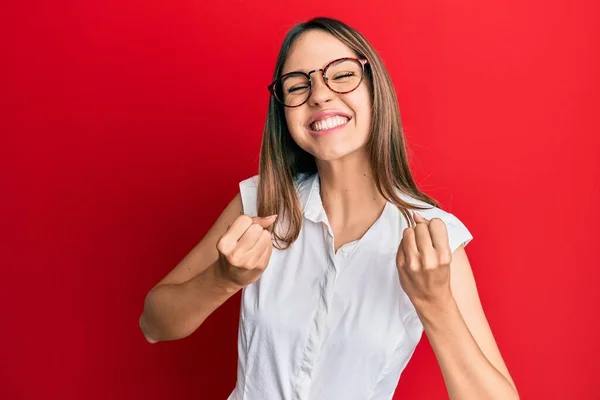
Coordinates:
(320,325)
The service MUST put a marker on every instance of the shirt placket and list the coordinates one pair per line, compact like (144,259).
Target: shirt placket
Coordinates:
(317,329)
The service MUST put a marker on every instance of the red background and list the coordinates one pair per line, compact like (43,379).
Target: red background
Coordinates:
(125,127)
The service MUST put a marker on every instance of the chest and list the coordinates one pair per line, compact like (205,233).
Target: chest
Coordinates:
(350,299)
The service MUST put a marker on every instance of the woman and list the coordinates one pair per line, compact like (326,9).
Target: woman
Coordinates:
(339,273)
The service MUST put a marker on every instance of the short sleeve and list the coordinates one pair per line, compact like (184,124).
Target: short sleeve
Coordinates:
(458,234)
(248,193)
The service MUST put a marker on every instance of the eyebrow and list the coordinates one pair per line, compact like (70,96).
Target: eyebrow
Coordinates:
(295,70)
(314,69)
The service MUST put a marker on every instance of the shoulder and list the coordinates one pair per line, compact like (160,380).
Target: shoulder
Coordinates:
(458,233)
(248,193)
(300,180)
(249,183)
(249,190)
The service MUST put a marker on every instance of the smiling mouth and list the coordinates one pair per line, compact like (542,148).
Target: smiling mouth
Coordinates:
(328,123)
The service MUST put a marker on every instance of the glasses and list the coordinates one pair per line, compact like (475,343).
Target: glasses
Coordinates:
(341,76)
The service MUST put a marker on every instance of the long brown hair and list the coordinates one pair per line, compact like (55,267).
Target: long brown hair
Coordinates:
(282,160)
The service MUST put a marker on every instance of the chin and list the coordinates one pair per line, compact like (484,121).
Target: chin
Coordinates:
(331,147)
(334,154)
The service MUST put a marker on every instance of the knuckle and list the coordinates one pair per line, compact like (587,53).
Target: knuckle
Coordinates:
(245,220)
(437,223)
(235,258)
(429,262)
(255,229)
(265,237)
(265,258)
(223,245)
(246,267)
(265,263)
(413,263)
(220,245)
(251,231)
(430,265)
(445,258)
(413,266)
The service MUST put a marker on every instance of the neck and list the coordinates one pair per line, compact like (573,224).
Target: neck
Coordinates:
(348,190)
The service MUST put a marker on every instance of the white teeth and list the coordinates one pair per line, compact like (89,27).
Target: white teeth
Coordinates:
(328,123)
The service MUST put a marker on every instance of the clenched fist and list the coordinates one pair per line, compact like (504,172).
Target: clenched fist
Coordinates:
(423,262)
(245,249)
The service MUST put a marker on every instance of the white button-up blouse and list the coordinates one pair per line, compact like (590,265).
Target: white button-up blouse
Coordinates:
(321,325)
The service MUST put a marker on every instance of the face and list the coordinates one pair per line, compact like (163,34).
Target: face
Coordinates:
(329,125)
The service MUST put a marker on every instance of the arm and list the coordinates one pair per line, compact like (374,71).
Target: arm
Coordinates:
(178,304)
(463,342)
(442,288)
(175,310)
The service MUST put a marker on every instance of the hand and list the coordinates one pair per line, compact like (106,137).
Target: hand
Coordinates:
(423,262)
(245,249)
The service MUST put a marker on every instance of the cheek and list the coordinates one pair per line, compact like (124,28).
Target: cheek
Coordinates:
(362,107)
(293,119)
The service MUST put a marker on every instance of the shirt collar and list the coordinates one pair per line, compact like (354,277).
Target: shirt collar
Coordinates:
(309,190)
(391,220)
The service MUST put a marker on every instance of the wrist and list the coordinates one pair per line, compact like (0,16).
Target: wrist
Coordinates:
(221,281)
(436,309)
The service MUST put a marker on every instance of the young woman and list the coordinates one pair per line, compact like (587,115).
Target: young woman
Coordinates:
(341,259)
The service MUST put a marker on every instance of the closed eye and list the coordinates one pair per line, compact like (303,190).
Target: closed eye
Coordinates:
(297,88)
(344,75)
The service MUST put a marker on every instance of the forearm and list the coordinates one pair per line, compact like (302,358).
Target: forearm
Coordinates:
(467,372)
(174,311)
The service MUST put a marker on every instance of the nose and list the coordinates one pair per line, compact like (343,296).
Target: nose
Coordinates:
(320,93)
